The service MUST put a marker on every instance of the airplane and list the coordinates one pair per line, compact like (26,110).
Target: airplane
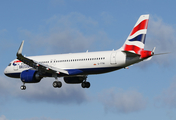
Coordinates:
(75,67)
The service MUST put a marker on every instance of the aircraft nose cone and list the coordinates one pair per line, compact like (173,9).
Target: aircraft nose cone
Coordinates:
(10,73)
(7,72)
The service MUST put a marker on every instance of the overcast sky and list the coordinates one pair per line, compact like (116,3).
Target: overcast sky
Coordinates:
(145,91)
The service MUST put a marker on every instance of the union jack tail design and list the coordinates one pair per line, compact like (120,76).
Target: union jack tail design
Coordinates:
(136,40)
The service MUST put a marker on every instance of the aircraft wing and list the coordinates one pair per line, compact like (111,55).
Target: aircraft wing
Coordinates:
(39,66)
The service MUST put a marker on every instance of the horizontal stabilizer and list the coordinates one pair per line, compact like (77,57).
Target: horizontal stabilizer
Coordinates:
(131,54)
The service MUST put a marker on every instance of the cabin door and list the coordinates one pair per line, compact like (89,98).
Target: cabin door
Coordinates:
(113,58)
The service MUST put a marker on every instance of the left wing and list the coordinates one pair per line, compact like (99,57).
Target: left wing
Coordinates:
(39,66)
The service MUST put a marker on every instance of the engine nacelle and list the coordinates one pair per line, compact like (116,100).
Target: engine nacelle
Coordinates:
(74,80)
(146,53)
(30,76)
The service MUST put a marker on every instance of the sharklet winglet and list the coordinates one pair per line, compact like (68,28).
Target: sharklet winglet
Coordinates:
(20,48)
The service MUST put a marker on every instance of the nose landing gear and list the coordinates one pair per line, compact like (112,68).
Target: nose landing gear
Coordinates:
(23,87)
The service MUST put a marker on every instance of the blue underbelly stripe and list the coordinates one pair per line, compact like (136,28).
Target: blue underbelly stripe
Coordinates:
(86,71)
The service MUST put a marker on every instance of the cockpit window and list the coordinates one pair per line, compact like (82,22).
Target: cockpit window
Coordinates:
(9,64)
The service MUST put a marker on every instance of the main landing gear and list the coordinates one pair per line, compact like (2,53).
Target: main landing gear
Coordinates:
(57,84)
(85,84)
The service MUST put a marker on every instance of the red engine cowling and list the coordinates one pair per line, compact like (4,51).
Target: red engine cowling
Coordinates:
(146,53)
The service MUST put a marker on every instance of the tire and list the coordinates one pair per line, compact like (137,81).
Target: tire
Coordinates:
(59,84)
(23,87)
(83,84)
(87,84)
(55,84)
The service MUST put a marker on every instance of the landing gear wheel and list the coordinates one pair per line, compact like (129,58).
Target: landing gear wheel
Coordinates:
(23,87)
(57,84)
(85,84)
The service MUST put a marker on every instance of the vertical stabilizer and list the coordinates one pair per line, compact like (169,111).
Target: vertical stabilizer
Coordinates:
(136,39)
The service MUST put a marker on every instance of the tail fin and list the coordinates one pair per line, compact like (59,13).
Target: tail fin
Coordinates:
(136,40)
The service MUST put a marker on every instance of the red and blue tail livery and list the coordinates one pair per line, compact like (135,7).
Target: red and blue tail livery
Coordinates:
(136,40)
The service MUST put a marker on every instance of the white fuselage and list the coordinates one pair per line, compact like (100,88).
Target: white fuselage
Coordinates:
(88,62)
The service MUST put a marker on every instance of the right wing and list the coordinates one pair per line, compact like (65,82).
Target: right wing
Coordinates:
(39,66)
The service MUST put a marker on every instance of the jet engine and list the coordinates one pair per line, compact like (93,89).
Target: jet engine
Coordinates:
(30,76)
